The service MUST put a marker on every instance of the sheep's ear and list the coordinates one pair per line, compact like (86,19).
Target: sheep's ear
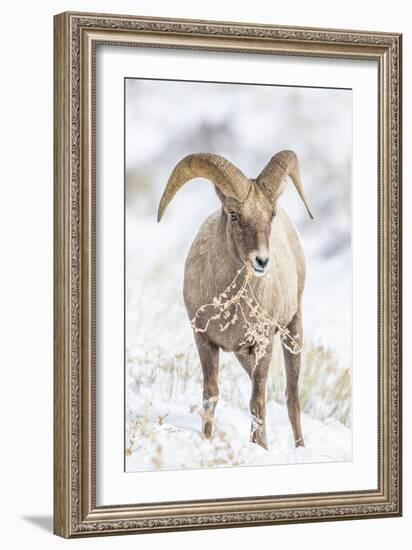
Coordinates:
(220,195)
(280,190)
(227,202)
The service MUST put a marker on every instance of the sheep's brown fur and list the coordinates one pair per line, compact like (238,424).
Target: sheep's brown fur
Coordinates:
(249,231)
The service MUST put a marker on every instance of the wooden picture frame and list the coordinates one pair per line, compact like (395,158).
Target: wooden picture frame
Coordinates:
(76,36)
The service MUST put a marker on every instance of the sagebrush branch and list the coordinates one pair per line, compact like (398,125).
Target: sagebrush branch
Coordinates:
(238,302)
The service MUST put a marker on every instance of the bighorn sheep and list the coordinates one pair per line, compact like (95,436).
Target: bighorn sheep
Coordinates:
(249,232)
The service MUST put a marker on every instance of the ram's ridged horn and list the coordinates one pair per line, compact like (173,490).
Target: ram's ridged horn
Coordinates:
(284,163)
(229,179)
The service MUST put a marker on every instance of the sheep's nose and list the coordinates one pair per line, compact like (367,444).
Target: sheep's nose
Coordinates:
(262,261)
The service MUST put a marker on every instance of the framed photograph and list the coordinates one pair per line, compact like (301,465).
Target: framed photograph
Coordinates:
(227,274)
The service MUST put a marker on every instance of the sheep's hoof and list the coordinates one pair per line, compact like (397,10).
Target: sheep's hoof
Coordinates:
(207,429)
(299,442)
(258,432)
(261,440)
(259,437)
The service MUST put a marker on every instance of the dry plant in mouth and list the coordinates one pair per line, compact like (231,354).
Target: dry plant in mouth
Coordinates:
(237,304)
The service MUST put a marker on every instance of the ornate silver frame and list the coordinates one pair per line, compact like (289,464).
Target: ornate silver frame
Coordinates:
(75,38)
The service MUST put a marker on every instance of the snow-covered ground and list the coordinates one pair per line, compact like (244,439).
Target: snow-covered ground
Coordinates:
(166,121)
(176,441)
(164,418)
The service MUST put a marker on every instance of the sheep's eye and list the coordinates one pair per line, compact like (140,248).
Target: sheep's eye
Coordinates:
(274,213)
(234,217)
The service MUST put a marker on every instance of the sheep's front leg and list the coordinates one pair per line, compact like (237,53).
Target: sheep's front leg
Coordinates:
(292,366)
(258,404)
(209,359)
(258,375)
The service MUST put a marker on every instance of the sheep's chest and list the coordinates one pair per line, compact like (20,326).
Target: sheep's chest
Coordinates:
(239,322)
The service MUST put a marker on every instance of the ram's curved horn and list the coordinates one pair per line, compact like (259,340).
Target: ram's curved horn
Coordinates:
(280,166)
(229,179)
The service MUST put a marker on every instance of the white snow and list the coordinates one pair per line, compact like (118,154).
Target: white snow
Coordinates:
(165,429)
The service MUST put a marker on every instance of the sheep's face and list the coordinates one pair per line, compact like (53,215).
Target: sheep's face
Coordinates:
(249,225)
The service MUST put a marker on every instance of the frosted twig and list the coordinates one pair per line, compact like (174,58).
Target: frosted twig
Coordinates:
(238,302)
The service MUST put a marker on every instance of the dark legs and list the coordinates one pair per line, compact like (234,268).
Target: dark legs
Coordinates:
(258,375)
(292,367)
(209,359)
